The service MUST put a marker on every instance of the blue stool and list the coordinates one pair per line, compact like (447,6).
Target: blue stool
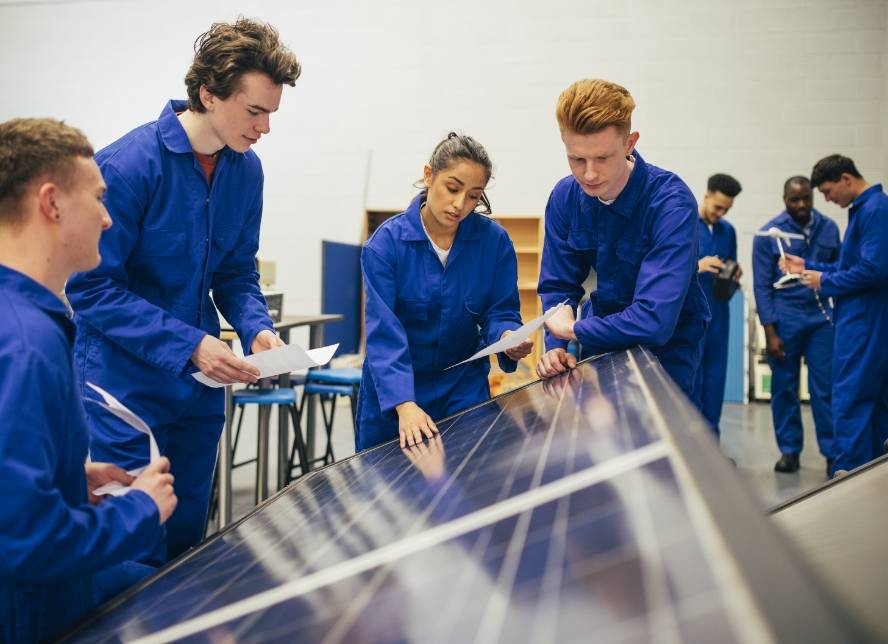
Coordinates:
(286,401)
(328,385)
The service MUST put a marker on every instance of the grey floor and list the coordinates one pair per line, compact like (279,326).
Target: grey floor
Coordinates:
(747,437)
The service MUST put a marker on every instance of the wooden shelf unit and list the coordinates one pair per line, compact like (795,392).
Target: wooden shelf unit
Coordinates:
(526,232)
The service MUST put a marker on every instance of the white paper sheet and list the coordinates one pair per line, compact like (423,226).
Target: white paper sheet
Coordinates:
(130,418)
(514,338)
(280,360)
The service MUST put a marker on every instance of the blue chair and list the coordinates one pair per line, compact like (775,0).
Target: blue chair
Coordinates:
(286,400)
(328,385)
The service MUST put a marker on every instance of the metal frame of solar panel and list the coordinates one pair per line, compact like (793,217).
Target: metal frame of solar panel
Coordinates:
(591,505)
(840,527)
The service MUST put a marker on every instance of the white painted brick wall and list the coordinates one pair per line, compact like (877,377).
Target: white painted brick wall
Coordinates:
(758,89)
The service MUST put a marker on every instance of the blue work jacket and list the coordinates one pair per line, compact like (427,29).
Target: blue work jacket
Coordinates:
(52,541)
(422,318)
(860,278)
(720,242)
(795,303)
(643,248)
(174,238)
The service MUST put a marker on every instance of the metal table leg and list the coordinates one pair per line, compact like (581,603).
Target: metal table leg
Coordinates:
(314,341)
(225,463)
(283,461)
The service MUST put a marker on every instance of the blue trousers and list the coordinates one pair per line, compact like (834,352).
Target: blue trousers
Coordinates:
(860,390)
(190,442)
(815,343)
(713,370)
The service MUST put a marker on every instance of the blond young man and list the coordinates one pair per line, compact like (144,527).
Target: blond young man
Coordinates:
(636,225)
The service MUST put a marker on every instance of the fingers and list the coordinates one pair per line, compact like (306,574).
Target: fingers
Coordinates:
(569,360)
(413,434)
(555,362)
(266,340)
(521,351)
(160,465)
(232,369)
(433,428)
(119,474)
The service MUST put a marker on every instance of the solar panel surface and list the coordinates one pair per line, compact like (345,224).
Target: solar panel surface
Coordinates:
(552,513)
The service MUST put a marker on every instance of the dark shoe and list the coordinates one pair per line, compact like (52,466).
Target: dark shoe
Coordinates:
(829,465)
(788,463)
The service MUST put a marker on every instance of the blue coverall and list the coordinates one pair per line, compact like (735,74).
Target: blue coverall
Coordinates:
(644,250)
(422,317)
(55,548)
(721,242)
(859,284)
(141,313)
(803,327)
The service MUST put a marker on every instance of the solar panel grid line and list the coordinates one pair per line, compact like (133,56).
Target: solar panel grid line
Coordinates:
(356,606)
(490,627)
(454,605)
(346,529)
(546,617)
(660,623)
(249,522)
(340,629)
(745,619)
(412,544)
(280,501)
(663,626)
(273,547)
(661,617)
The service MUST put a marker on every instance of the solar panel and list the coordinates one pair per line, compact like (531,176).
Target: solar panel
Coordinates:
(591,505)
(840,528)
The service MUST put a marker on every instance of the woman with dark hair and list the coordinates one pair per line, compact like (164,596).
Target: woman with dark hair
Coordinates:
(441,281)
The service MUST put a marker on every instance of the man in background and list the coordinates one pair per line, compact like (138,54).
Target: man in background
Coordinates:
(859,284)
(797,322)
(718,256)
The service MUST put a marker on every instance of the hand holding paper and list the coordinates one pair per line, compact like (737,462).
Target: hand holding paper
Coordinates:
(561,323)
(123,413)
(514,339)
(274,362)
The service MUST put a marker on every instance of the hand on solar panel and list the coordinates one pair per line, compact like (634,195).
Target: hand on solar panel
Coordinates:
(790,263)
(554,387)
(216,359)
(413,422)
(429,459)
(522,350)
(99,474)
(555,362)
(157,482)
(811,279)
